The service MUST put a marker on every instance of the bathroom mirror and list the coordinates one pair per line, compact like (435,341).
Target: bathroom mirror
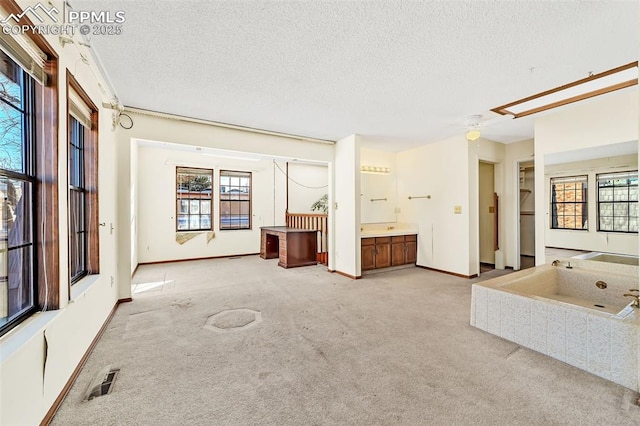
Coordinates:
(591,200)
(377,198)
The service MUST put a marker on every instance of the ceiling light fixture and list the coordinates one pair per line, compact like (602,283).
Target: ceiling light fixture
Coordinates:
(594,85)
(473,127)
(473,135)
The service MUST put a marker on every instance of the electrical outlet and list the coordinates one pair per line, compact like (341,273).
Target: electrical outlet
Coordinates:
(457,209)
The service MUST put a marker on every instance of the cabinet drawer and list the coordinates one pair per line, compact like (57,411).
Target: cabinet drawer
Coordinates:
(398,239)
(413,237)
(367,241)
(383,240)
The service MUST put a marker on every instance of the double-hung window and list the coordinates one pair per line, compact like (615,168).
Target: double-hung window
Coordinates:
(193,199)
(618,202)
(235,200)
(77,215)
(17,192)
(29,186)
(569,202)
(83,183)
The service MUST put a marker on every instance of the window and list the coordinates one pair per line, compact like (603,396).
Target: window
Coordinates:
(235,200)
(83,183)
(18,295)
(618,202)
(77,222)
(569,202)
(29,185)
(193,198)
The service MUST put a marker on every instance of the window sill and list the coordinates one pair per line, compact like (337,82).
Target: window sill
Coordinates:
(81,286)
(39,321)
(24,332)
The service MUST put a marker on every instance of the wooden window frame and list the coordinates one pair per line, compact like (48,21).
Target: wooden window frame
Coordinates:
(177,198)
(24,248)
(46,234)
(250,201)
(90,177)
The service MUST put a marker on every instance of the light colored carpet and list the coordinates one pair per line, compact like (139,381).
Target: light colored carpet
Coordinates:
(392,348)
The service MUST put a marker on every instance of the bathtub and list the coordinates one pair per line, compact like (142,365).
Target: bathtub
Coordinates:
(621,259)
(563,314)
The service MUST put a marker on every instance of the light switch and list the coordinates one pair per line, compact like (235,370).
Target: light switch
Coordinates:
(457,209)
(492,209)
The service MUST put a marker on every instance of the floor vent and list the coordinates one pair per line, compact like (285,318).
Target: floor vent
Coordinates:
(234,257)
(102,384)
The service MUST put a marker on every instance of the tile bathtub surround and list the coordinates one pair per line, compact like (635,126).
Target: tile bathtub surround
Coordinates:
(597,342)
(576,338)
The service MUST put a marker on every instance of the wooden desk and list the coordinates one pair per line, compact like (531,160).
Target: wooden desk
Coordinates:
(294,247)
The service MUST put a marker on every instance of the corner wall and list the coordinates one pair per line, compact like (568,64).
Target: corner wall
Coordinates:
(441,171)
(345,208)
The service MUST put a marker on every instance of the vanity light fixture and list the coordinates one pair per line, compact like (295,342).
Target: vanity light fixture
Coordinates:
(375,169)
(593,85)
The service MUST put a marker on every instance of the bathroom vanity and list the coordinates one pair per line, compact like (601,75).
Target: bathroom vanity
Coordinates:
(384,249)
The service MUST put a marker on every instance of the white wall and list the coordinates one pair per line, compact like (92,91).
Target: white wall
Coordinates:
(346,210)
(157,201)
(307,184)
(592,239)
(32,377)
(440,170)
(600,121)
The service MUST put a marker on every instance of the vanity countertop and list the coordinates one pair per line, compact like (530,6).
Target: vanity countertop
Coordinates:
(371,233)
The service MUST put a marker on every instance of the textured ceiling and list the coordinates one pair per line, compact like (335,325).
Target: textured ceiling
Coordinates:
(395,71)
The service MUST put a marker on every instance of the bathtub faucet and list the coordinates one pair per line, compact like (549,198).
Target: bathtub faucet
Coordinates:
(636,301)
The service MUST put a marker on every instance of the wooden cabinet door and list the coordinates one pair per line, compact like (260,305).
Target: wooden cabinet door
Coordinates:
(368,258)
(397,254)
(383,255)
(411,251)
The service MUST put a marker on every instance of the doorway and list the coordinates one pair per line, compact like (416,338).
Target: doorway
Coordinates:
(487,216)
(526,213)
